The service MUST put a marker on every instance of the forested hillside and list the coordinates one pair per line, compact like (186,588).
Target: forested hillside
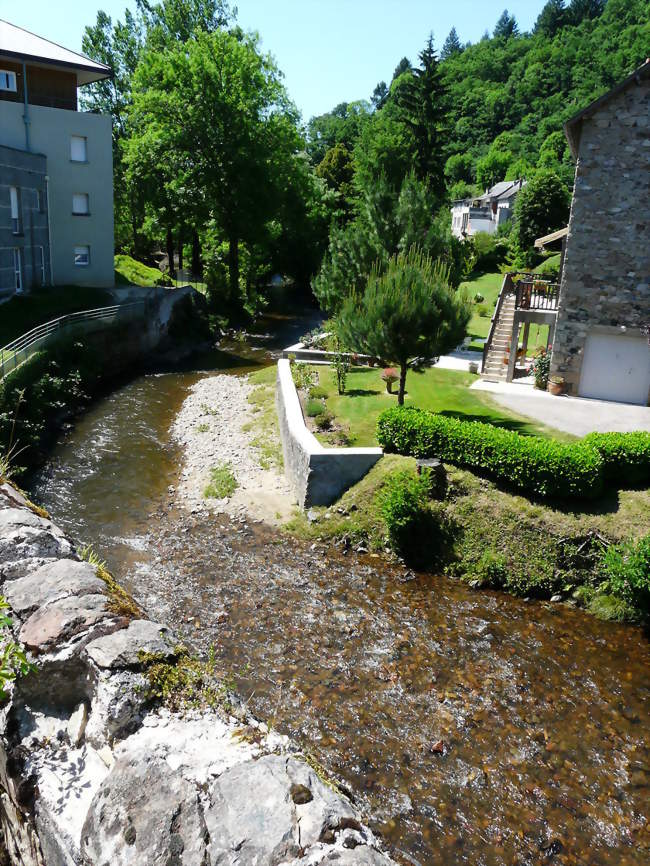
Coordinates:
(508,95)
(212,160)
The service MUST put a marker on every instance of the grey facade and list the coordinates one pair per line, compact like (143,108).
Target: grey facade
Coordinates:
(605,287)
(69,150)
(24,241)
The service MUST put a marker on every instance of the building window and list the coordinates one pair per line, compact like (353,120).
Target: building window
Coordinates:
(80,204)
(18,270)
(82,256)
(40,263)
(78,148)
(7,80)
(14,200)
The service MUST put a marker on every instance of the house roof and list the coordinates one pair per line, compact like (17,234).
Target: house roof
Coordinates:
(19,44)
(573,126)
(540,243)
(501,191)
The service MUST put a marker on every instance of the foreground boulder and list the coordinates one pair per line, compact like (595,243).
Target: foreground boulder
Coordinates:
(93,772)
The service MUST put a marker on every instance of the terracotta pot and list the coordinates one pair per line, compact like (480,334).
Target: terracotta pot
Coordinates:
(556,388)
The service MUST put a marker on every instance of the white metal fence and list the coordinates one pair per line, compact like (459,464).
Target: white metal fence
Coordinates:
(22,349)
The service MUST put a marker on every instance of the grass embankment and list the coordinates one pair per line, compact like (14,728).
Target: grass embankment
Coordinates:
(24,312)
(129,272)
(500,540)
(443,391)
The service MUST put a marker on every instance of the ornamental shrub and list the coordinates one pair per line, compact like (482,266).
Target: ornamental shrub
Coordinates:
(537,466)
(626,456)
(627,570)
(314,408)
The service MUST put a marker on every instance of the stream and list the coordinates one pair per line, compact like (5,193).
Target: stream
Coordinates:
(474,727)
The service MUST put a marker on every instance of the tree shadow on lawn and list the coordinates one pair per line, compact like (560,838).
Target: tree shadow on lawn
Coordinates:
(505,423)
(361,392)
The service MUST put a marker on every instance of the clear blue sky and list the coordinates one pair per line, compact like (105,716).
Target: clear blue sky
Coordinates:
(330,51)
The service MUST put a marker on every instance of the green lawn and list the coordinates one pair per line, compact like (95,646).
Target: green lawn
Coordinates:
(24,312)
(444,391)
(488,285)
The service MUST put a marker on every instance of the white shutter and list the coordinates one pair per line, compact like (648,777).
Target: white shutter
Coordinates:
(80,203)
(78,150)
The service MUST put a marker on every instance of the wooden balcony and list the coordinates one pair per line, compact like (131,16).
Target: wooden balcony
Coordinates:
(533,293)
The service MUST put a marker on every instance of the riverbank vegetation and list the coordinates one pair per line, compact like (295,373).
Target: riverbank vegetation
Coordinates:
(21,313)
(496,539)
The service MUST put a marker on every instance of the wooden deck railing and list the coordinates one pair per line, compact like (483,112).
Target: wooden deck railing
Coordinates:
(536,294)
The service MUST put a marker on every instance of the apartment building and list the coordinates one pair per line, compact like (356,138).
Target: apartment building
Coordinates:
(56,168)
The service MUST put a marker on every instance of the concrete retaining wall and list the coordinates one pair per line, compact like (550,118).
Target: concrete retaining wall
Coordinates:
(93,770)
(318,475)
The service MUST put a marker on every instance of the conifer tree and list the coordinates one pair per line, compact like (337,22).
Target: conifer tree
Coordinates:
(579,10)
(506,27)
(552,17)
(407,310)
(424,109)
(452,45)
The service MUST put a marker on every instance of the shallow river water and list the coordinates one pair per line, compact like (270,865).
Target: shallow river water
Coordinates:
(476,728)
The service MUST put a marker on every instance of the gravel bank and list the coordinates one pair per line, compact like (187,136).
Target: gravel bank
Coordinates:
(210,428)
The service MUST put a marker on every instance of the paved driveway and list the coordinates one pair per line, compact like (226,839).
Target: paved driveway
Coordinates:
(576,415)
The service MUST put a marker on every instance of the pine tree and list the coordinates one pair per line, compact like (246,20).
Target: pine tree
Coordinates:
(380,95)
(506,27)
(579,10)
(552,17)
(403,66)
(452,45)
(424,109)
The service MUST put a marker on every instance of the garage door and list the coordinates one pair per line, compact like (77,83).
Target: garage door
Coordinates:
(616,368)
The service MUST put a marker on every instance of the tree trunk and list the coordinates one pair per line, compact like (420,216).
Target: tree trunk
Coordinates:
(402,384)
(196,254)
(233,266)
(170,252)
(180,249)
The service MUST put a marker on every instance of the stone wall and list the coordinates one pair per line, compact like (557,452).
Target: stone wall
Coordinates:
(606,278)
(93,771)
(318,475)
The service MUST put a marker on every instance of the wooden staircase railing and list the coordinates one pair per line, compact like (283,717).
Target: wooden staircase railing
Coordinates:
(507,287)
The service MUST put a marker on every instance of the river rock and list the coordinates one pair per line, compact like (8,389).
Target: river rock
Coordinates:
(144,814)
(51,582)
(269,827)
(58,622)
(27,541)
(122,649)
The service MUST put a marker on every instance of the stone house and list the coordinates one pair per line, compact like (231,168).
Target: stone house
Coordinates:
(600,346)
(485,213)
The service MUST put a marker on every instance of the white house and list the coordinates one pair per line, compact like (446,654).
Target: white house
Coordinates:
(487,212)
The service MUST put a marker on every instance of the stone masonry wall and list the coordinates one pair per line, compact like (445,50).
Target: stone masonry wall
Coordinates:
(93,772)
(606,277)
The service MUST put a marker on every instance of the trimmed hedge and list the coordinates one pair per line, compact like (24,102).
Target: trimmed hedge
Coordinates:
(541,466)
(626,456)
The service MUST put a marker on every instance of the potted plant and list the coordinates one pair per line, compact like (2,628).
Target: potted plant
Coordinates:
(556,385)
(389,376)
(540,368)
